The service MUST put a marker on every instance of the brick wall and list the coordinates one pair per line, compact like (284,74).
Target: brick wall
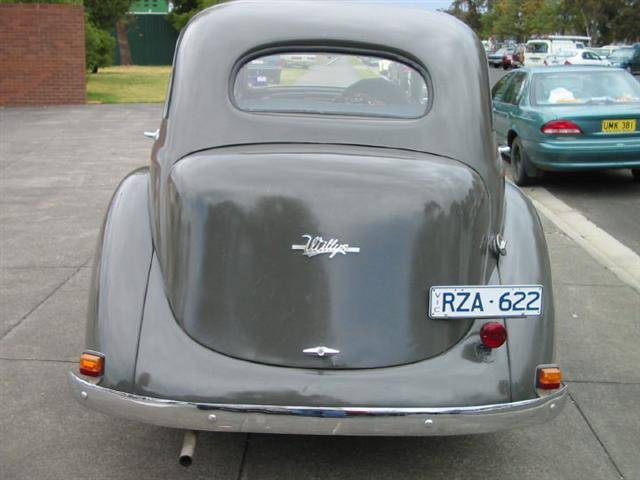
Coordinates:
(41,54)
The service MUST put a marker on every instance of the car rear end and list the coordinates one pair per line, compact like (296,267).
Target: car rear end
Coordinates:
(328,255)
(536,52)
(590,119)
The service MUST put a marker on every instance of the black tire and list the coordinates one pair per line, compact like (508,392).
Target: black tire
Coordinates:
(519,165)
(636,174)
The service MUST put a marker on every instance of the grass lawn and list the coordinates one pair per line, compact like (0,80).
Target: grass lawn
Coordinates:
(289,76)
(362,70)
(133,84)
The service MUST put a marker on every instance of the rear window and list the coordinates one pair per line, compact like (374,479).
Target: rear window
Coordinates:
(537,47)
(584,88)
(332,84)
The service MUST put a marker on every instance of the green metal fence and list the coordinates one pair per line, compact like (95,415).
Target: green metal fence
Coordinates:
(152,40)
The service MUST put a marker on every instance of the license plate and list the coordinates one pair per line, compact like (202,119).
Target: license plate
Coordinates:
(262,78)
(485,302)
(618,126)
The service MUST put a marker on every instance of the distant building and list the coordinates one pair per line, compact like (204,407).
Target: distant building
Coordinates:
(150,37)
(158,7)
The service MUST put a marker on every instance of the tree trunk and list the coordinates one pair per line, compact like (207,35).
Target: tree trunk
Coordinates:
(123,43)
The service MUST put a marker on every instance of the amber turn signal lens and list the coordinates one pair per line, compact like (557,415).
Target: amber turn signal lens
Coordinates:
(549,378)
(91,364)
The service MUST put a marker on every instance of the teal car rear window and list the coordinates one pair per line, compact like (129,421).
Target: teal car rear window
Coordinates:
(332,84)
(584,88)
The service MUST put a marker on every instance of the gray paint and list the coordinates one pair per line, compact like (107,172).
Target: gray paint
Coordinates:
(172,365)
(531,340)
(235,284)
(202,116)
(196,173)
(119,281)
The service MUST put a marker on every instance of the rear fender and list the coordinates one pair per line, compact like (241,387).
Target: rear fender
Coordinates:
(531,339)
(119,281)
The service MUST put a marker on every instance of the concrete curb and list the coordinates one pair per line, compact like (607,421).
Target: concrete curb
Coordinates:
(604,248)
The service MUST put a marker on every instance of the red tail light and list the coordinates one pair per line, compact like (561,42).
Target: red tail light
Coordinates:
(567,62)
(561,127)
(493,334)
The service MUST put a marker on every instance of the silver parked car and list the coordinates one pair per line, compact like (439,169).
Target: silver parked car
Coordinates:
(330,252)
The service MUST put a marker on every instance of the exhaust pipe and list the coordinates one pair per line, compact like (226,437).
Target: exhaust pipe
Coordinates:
(188,446)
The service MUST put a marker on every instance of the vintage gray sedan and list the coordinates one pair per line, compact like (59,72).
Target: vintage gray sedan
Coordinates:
(332,250)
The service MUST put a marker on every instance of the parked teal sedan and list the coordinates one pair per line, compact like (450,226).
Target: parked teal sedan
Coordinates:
(567,118)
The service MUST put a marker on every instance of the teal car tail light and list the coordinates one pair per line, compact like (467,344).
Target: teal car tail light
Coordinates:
(561,127)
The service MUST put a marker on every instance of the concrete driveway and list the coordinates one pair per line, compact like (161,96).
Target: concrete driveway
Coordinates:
(58,169)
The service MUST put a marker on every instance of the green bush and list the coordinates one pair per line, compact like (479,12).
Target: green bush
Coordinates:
(99,47)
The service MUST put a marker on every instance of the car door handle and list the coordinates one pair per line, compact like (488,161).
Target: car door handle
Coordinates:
(152,135)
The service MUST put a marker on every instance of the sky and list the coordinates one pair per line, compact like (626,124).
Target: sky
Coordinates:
(437,4)
(429,4)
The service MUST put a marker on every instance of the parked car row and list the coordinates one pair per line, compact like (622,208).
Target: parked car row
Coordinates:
(564,50)
(507,57)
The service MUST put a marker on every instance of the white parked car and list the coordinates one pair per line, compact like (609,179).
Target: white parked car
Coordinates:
(304,60)
(579,57)
(539,49)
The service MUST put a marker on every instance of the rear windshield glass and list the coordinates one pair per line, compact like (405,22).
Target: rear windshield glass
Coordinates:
(622,54)
(538,47)
(330,83)
(583,88)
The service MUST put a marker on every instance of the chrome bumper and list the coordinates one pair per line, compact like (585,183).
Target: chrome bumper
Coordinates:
(318,420)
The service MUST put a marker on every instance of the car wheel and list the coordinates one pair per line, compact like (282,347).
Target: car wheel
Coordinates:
(636,174)
(519,164)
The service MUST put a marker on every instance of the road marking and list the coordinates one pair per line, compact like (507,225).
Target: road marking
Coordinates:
(607,251)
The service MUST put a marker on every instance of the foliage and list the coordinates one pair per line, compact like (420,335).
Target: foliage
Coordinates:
(99,46)
(604,20)
(105,13)
(184,10)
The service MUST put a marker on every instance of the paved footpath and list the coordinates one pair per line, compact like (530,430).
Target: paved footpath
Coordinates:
(58,169)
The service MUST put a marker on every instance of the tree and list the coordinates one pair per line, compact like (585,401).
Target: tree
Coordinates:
(603,20)
(184,10)
(99,47)
(469,11)
(107,14)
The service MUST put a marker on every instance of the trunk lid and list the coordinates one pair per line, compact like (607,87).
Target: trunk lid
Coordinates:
(239,280)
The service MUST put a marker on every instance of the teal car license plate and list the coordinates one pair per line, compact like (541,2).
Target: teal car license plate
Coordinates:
(499,301)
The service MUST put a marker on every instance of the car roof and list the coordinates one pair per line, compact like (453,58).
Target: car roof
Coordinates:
(218,40)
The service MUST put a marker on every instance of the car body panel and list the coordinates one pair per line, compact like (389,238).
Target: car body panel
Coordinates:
(531,340)
(171,365)
(119,282)
(235,284)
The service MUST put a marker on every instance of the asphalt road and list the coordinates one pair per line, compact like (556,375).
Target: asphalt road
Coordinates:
(58,170)
(610,198)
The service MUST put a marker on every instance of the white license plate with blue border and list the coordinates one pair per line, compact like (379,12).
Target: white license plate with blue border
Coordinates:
(499,301)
